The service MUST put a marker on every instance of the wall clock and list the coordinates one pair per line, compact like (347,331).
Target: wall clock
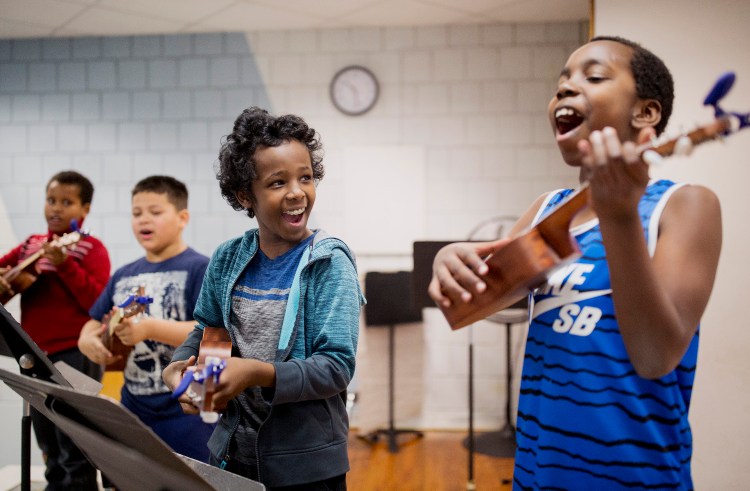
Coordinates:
(354,90)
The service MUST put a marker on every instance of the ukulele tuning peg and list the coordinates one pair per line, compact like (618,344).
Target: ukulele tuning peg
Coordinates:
(683,146)
(652,158)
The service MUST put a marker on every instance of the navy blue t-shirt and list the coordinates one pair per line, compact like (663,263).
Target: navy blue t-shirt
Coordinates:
(174,285)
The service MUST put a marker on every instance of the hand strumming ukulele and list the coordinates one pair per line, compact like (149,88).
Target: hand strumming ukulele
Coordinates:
(22,276)
(528,260)
(134,305)
(200,379)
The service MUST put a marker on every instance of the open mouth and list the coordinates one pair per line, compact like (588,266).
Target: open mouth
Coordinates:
(567,119)
(146,234)
(294,216)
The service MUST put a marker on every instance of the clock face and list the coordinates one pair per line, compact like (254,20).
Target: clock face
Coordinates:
(354,90)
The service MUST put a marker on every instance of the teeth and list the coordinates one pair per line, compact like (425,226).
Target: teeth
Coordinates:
(295,212)
(564,111)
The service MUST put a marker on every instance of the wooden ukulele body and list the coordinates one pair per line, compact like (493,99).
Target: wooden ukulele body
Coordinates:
(19,283)
(22,276)
(111,341)
(215,343)
(521,266)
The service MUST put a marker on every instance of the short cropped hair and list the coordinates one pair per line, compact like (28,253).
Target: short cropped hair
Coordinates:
(253,129)
(652,77)
(71,177)
(176,191)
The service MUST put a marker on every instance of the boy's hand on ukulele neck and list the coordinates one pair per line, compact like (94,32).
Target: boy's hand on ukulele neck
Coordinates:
(54,253)
(172,376)
(132,330)
(616,175)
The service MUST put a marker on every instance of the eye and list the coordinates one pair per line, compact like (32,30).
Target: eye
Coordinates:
(595,78)
(67,202)
(306,178)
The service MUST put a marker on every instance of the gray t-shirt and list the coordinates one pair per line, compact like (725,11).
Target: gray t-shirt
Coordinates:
(258,306)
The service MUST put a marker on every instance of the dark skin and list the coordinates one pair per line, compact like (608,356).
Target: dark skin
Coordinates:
(284,194)
(62,204)
(658,318)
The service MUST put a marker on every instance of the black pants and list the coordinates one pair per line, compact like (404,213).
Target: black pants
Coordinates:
(66,466)
(337,483)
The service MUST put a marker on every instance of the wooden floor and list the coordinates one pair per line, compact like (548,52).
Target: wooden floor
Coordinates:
(438,461)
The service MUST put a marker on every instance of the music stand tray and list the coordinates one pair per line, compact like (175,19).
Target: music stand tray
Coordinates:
(118,443)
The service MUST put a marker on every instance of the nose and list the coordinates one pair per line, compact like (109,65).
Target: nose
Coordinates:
(295,192)
(566,89)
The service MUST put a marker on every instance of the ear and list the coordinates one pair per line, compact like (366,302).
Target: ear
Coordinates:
(184,215)
(647,112)
(244,200)
(86,209)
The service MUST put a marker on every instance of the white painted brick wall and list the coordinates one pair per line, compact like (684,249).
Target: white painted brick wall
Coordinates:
(473,97)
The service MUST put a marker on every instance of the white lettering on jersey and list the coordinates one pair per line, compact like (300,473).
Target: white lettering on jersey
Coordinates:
(576,320)
(573,319)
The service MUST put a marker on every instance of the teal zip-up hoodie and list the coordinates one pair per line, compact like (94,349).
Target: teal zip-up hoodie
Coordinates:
(304,438)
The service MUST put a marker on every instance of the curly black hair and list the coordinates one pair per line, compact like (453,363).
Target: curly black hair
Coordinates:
(652,77)
(253,129)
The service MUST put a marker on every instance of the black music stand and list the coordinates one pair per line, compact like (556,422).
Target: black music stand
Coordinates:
(119,444)
(33,362)
(389,302)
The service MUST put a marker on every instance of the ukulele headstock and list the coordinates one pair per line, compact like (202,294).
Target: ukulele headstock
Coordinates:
(724,124)
(136,303)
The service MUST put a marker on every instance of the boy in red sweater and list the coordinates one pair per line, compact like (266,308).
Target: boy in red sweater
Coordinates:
(55,306)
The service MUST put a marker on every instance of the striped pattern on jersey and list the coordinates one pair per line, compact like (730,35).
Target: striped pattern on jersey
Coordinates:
(586,420)
(78,251)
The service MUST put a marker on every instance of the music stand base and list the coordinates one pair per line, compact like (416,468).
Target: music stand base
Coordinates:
(392,436)
(500,443)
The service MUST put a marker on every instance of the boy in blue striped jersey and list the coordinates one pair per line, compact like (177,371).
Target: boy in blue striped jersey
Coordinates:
(613,337)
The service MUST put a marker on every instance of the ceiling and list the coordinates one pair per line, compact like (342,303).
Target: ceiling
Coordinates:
(62,18)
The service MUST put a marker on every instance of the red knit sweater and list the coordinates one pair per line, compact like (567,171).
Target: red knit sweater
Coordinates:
(55,307)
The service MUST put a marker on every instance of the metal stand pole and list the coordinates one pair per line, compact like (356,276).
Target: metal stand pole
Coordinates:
(391,432)
(501,443)
(470,486)
(26,447)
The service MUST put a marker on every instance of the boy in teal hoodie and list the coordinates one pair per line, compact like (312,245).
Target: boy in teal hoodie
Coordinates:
(290,300)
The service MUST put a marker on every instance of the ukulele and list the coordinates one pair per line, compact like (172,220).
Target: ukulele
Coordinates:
(200,379)
(528,260)
(22,276)
(134,305)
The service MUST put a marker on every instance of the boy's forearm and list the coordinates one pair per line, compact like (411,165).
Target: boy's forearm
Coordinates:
(647,319)
(170,332)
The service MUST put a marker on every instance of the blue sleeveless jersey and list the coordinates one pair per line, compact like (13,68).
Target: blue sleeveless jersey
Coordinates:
(586,420)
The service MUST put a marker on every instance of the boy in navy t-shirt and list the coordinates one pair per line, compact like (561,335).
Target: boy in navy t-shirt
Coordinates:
(172,274)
